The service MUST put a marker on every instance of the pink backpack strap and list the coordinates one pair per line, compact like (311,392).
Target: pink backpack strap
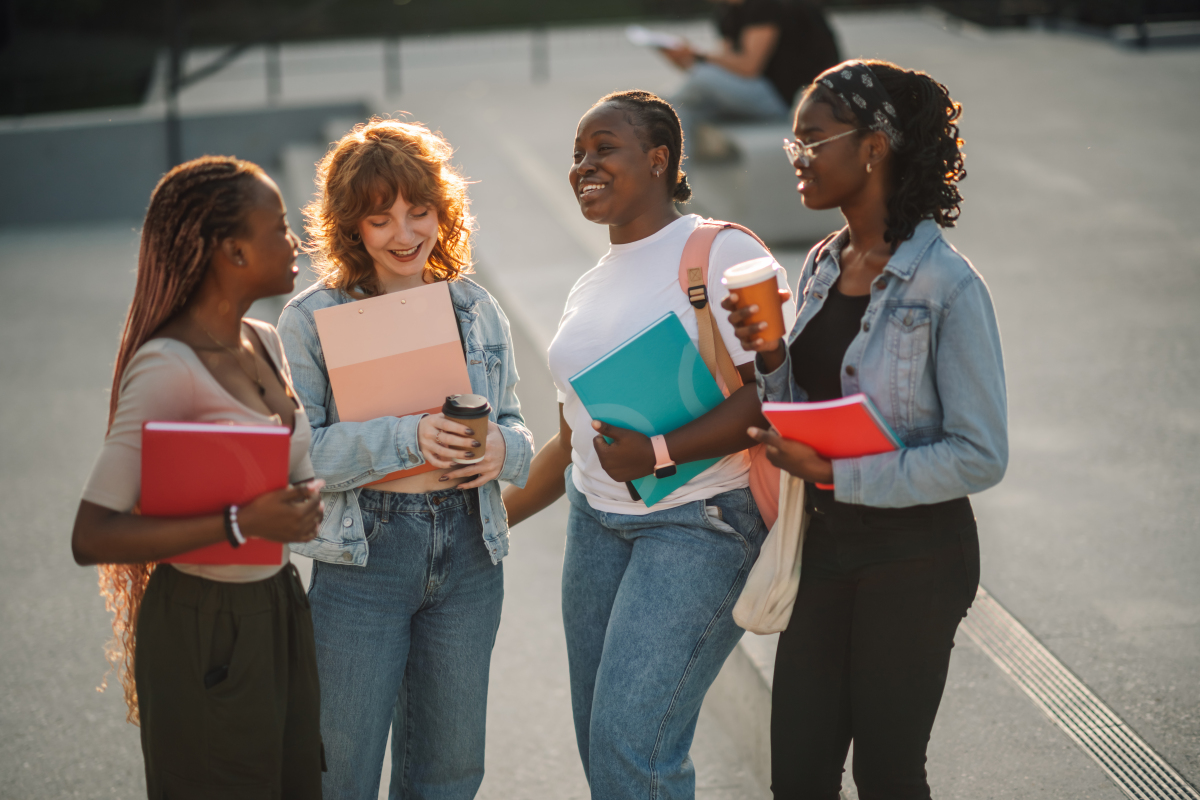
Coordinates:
(693,280)
(696,254)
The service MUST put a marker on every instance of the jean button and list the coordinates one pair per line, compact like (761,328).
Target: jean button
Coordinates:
(866,327)
(850,370)
(347,557)
(347,522)
(881,284)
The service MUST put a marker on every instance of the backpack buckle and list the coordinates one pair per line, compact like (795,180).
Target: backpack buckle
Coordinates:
(698,296)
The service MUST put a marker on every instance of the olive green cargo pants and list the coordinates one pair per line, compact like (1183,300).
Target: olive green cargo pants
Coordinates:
(227,689)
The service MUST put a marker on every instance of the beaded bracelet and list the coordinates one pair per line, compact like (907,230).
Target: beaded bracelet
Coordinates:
(232,532)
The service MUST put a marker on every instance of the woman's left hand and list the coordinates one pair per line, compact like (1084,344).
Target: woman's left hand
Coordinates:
(795,458)
(486,470)
(629,455)
(682,56)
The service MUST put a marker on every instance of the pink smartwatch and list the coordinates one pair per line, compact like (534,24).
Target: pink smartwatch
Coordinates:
(664,467)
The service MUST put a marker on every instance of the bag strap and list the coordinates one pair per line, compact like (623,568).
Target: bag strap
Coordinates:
(693,279)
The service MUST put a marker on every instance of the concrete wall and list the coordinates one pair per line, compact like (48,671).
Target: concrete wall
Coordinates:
(95,169)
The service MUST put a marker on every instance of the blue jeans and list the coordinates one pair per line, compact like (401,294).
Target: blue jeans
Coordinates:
(711,93)
(647,607)
(406,642)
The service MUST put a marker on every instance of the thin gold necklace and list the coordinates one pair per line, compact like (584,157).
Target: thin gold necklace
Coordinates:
(262,390)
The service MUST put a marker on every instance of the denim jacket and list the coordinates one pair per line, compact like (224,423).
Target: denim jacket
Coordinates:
(928,355)
(350,454)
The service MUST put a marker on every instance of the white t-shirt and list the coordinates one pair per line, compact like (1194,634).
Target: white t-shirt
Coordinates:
(633,285)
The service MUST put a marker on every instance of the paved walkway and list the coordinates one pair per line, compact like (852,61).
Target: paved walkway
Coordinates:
(1080,213)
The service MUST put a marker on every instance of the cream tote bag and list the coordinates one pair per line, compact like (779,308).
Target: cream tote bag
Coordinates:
(765,605)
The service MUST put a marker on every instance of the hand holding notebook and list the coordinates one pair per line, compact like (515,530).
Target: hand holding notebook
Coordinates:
(848,427)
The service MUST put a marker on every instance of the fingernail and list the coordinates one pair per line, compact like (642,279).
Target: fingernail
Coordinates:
(468,432)
(444,478)
(753,309)
(477,444)
(469,454)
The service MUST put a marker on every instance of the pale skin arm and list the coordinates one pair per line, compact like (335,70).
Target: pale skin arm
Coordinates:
(104,536)
(758,41)
(795,458)
(546,483)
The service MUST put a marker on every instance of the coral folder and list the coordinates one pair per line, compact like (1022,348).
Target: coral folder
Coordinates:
(848,427)
(393,355)
(196,468)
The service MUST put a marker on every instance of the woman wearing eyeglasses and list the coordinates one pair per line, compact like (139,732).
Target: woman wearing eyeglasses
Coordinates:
(891,557)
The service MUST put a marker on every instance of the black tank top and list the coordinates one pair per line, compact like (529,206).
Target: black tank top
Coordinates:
(818,351)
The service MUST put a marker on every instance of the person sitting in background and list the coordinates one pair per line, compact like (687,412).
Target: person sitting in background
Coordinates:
(770,49)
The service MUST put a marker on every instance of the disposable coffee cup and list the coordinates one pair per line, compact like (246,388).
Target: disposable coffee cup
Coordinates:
(757,284)
(471,410)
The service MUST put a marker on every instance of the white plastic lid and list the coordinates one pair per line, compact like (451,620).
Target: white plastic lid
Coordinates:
(749,273)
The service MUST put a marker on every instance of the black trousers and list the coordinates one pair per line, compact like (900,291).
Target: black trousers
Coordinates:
(227,689)
(865,655)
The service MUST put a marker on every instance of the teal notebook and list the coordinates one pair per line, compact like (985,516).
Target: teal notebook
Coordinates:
(653,384)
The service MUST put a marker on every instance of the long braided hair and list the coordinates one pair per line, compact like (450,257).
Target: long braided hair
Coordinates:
(929,163)
(192,209)
(657,125)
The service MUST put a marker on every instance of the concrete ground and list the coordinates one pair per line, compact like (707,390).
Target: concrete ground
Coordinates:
(1080,212)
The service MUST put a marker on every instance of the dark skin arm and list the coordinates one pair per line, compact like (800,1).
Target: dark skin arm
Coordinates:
(718,433)
(795,458)
(545,483)
(104,536)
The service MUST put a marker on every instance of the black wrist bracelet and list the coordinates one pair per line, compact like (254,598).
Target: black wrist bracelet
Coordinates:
(233,540)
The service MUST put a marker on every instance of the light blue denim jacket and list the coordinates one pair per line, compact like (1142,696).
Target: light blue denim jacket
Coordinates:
(350,454)
(928,355)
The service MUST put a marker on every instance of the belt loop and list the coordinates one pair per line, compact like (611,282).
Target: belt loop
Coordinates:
(386,502)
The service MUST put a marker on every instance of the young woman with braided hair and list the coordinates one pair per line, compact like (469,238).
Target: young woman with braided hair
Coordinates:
(647,592)
(217,662)
(891,554)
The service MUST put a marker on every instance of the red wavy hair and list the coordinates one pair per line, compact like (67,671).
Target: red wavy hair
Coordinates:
(361,176)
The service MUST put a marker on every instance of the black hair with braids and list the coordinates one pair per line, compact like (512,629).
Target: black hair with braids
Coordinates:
(928,162)
(193,208)
(657,125)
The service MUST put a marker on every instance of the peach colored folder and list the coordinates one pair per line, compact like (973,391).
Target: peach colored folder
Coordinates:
(393,355)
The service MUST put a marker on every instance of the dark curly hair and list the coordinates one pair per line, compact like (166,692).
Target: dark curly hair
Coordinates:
(929,161)
(657,125)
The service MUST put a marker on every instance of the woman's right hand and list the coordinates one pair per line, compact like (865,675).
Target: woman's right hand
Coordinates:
(442,440)
(770,351)
(285,515)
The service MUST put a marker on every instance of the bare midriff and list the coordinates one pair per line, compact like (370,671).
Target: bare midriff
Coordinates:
(419,484)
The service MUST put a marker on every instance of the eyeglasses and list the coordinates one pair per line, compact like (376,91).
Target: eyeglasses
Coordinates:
(803,153)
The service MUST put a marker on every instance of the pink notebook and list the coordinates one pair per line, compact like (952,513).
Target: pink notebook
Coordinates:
(393,355)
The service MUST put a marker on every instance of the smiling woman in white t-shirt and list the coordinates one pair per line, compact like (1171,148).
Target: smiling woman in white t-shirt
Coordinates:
(647,592)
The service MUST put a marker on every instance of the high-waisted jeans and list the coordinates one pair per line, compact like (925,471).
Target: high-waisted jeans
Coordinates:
(865,656)
(647,607)
(406,643)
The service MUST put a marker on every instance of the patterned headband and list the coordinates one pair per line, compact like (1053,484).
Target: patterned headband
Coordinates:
(856,84)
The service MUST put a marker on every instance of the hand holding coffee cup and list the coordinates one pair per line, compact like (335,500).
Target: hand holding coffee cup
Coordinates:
(445,440)
(756,303)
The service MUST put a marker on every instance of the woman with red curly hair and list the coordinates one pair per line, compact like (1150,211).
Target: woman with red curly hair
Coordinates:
(404,636)
(217,661)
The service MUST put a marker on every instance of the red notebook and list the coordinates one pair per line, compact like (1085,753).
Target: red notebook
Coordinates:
(848,427)
(195,468)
